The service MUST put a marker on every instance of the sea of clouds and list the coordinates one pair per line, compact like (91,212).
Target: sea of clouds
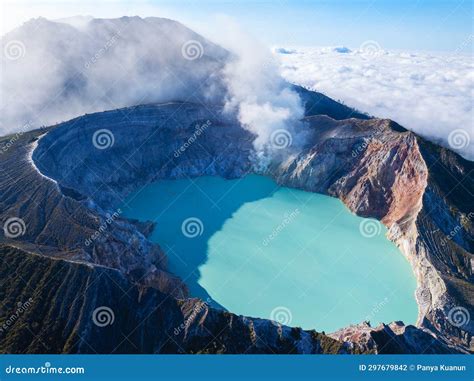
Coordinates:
(428,93)
(56,70)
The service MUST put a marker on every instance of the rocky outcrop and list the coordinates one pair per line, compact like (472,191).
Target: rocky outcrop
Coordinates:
(57,306)
(373,166)
(394,338)
(420,191)
(70,227)
(68,188)
(148,143)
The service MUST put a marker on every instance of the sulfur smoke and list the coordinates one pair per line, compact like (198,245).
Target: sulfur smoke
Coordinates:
(264,103)
(54,71)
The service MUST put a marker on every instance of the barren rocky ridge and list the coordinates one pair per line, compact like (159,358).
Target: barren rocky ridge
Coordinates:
(65,189)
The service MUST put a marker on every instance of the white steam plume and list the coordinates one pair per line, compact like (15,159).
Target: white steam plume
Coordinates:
(264,103)
(54,71)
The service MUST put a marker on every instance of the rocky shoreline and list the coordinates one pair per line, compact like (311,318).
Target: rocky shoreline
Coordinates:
(392,180)
(377,168)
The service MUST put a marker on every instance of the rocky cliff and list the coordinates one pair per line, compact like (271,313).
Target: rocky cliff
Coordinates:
(60,306)
(421,192)
(66,188)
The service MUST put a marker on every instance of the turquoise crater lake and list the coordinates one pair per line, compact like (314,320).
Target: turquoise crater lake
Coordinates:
(261,250)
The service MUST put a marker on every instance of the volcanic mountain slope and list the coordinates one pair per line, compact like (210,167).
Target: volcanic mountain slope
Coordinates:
(60,298)
(53,71)
(65,190)
(420,191)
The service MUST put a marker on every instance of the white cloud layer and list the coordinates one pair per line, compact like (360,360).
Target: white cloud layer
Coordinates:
(56,70)
(430,94)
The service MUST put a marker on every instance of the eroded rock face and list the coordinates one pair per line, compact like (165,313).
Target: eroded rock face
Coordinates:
(394,338)
(69,307)
(64,227)
(420,191)
(373,166)
(150,142)
(376,167)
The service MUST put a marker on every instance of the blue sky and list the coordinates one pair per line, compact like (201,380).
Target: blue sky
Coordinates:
(403,24)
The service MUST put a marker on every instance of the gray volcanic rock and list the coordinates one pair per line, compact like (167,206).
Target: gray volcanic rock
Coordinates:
(146,147)
(61,226)
(420,191)
(395,338)
(375,166)
(68,307)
